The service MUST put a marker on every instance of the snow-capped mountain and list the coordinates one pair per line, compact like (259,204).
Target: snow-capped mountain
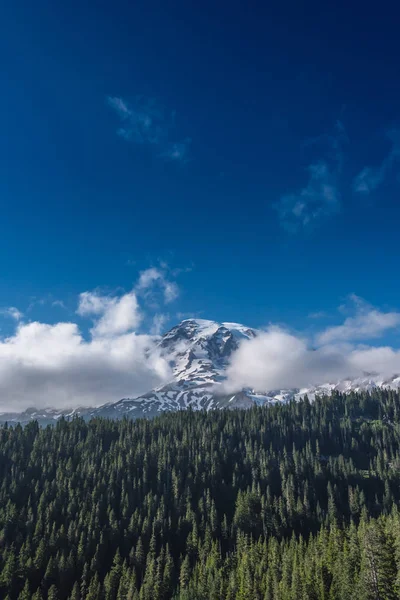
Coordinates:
(198,352)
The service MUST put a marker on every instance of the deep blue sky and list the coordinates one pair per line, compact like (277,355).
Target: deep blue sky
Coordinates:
(250,96)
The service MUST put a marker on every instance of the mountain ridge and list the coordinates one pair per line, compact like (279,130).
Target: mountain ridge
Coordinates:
(198,352)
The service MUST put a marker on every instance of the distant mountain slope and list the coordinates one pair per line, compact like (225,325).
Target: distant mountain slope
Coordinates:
(198,351)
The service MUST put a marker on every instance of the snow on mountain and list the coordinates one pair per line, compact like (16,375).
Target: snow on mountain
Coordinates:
(198,352)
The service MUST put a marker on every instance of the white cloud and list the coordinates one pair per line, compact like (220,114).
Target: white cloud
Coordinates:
(278,359)
(53,365)
(121,315)
(92,303)
(12,312)
(171,291)
(145,122)
(148,277)
(368,324)
(117,314)
(152,277)
(371,177)
(382,360)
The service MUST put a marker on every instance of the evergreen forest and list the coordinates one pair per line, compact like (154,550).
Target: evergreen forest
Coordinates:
(297,501)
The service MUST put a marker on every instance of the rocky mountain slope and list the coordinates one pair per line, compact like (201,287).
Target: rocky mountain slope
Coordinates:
(198,351)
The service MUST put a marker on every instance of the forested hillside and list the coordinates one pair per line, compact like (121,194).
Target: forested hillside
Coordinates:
(288,502)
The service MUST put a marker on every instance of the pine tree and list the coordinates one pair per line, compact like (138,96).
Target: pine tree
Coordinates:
(112,579)
(9,570)
(76,593)
(50,576)
(184,576)
(378,570)
(25,593)
(94,588)
(52,593)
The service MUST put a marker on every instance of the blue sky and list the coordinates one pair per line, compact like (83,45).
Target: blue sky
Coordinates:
(255,95)
(250,153)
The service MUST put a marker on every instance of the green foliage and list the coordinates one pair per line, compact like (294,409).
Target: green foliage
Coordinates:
(288,502)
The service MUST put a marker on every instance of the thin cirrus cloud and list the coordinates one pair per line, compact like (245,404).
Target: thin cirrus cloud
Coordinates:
(320,198)
(144,122)
(319,314)
(372,177)
(158,324)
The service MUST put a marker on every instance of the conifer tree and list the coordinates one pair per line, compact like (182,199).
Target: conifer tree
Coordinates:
(25,594)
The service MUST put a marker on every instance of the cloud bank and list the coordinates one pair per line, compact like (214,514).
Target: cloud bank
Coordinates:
(53,365)
(57,365)
(279,359)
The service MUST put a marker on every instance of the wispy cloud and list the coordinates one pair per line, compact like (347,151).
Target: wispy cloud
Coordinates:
(372,177)
(181,316)
(145,122)
(320,197)
(158,324)
(12,312)
(371,324)
(49,300)
(154,277)
(369,179)
(319,314)
(59,304)
(177,151)
(367,323)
